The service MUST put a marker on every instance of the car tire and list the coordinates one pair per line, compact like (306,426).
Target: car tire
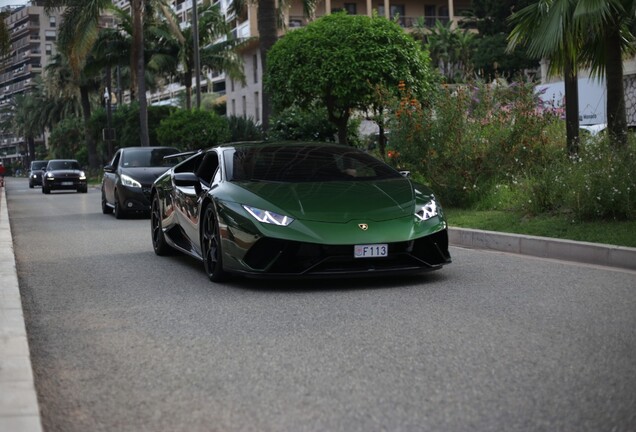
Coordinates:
(159,243)
(46,190)
(31,185)
(211,247)
(83,190)
(119,212)
(106,209)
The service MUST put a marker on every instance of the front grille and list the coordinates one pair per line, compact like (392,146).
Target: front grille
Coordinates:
(287,257)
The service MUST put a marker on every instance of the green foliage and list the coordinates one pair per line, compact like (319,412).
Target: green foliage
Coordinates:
(243,129)
(190,130)
(495,148)
(125,121)
(599,183)
(470,138)
(297,124)
(339,60)
(67,141)
(490,59)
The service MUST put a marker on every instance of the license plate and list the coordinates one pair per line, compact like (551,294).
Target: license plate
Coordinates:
(67,183)
(370,251)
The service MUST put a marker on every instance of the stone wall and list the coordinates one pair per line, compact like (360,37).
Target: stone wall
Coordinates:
(629,81)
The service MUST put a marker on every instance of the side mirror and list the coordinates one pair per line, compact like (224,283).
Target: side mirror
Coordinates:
(406,174)
(187,179)
(109,168)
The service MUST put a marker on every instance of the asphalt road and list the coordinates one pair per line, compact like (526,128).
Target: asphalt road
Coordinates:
(123,340)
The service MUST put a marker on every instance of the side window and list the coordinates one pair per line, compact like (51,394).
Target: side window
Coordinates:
(208,167)
(115,161)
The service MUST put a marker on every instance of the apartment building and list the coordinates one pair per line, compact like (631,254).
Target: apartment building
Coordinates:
(33,34)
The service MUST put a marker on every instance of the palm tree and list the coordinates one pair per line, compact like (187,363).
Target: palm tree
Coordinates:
(179,57)
(610,23)
(587,33)
(547,29)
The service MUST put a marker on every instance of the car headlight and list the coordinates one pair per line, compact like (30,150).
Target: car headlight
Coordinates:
(269,217)
(82,175)
(427,211)
(129,181)
(50,175)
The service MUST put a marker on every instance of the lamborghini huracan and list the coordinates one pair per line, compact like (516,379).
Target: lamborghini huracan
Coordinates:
(296,210)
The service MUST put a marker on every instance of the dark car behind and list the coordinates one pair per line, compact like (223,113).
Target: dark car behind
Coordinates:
(35,172)
(64,174)
(129,176)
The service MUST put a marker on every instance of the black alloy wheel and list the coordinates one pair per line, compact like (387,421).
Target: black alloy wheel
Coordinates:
(159,243)
(211,247)
(106,209)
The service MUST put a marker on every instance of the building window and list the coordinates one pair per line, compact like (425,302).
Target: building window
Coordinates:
(52,21)
(257,107)
(232,84)
(234,107)
(50,35)
(49,48)
(244,107)
(351,8)
(255,66)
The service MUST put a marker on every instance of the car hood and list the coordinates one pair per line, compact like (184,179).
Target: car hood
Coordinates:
(144,175)
(339,202)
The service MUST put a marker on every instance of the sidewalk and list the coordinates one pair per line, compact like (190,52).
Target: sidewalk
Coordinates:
(19,411)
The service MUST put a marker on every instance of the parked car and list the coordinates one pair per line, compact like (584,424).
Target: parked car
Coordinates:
(35,172)
(63,174)
(296,209)
(129,176)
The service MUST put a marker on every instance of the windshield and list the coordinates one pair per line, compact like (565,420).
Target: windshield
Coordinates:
(147,157)
(63,165)
(38,165)
(302,163)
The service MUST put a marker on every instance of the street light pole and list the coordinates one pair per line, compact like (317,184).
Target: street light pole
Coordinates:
(197,59)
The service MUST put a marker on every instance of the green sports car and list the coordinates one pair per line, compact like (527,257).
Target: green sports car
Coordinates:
(296,210)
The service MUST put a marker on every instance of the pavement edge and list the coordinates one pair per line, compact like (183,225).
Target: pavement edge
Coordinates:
(19,409)
(543,247)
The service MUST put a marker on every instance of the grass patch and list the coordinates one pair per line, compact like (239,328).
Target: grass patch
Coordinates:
(620,233)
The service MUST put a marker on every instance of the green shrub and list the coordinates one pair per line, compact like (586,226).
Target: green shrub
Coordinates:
(467,139)
(191,130)
(244,129)
(298,124)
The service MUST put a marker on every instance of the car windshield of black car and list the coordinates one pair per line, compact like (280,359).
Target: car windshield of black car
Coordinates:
(37,166)
(304,164)
(147,158)
(63,165)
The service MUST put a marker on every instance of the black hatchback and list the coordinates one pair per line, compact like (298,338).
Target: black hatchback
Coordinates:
(129,176)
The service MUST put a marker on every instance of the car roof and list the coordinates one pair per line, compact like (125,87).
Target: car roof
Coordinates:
(247,144)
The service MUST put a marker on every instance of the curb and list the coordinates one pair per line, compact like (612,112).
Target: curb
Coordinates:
(544,247)
(19,409)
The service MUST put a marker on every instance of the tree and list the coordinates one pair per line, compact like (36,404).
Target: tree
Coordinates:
(193,129)
(587,33)
(178,56)
(450,50)
(339,61)
(547,29)
(610,24)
